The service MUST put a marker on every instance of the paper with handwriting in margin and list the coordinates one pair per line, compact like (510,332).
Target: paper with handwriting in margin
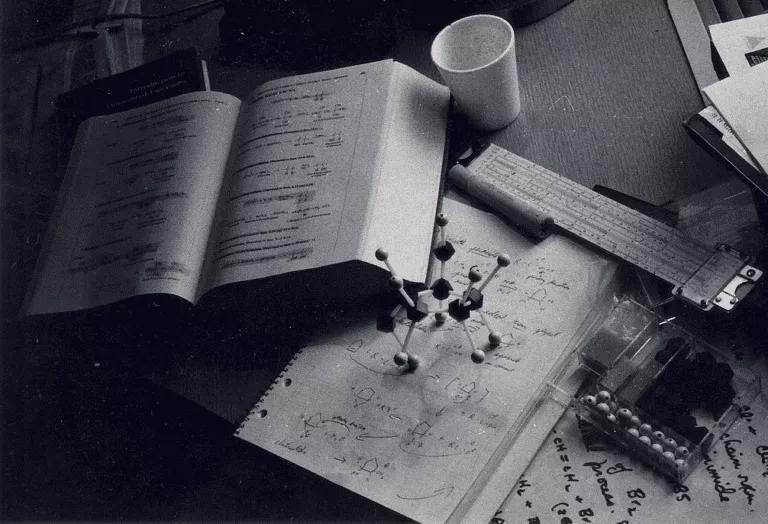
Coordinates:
(419,442)
(578,477)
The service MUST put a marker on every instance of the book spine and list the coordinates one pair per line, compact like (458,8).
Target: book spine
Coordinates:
(258,411)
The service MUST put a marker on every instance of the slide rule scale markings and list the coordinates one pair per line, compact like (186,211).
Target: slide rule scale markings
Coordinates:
(703,275)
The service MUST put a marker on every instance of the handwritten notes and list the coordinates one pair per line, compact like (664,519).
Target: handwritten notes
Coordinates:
(424,443)
(578,476)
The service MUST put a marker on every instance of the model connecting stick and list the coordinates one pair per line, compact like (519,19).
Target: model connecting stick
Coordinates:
(460,308)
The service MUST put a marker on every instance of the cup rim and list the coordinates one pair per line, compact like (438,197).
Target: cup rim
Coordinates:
(504,22)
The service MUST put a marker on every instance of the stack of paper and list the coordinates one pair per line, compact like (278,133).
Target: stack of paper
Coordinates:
(739,104)
(446,442)
(742,100)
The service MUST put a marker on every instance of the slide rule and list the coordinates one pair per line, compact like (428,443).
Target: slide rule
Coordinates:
(703,275)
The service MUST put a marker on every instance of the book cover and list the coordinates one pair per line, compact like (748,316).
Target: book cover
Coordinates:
(178,73)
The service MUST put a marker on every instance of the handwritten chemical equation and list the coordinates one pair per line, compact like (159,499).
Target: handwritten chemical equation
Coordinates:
(447,389)
(534,284)
(597,482)
(421,441)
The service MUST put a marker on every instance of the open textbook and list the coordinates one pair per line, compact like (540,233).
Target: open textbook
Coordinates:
(446,441)
(202,190)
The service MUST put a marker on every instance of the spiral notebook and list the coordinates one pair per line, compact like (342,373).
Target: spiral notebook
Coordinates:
(447,441)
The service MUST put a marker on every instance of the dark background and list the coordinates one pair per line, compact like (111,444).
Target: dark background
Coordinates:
(83,436)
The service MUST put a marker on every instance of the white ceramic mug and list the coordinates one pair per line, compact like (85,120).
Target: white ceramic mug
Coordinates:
(476,58)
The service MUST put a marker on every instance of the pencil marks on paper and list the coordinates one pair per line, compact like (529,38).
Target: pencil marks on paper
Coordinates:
(418,441)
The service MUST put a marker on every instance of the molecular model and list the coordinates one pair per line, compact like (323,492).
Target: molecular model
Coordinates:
(417,306)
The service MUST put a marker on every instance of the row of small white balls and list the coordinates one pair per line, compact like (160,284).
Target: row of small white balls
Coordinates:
(666,446)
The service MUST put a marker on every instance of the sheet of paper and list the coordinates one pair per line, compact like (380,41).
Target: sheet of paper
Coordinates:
(742,101)
(424,443)
(135,213)
(741,43)
(577,476)
(711,115)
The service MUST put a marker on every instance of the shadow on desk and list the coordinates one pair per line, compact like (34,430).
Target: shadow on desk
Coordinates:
(146,455)
(128,411)
(87,437)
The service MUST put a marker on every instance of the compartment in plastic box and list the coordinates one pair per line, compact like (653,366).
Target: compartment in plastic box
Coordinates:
(662,393)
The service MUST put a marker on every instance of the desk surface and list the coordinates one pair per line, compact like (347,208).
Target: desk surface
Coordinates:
(604,93)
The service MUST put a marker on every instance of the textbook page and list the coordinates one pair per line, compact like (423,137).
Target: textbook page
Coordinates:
(135,209)
(303,171)
(425,442)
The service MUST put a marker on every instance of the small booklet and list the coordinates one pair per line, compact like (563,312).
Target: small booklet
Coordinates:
(202,190)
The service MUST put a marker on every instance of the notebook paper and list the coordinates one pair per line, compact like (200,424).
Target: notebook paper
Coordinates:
(427,442)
